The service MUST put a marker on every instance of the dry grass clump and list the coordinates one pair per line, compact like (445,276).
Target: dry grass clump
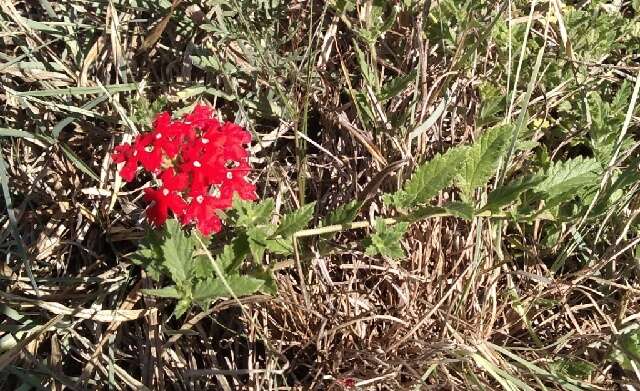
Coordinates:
(475,304)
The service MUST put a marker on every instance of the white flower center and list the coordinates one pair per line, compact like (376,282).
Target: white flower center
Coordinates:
(229,175)
(158,136)
(148,148)
(205,140)
(197,164)
(135,153)
(165,192)
(199,199)
(215,191)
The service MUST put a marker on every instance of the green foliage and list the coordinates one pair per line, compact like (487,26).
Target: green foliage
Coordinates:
(564,179)
(344,214)
(573,368)
(627,349)
(385,240)
(482,158)
(506,194)
(174,254)
(429,179)
(296,221)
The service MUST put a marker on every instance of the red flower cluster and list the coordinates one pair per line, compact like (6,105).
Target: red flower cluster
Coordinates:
(201,164)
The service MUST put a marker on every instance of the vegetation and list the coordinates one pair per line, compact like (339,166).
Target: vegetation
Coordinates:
(447,196)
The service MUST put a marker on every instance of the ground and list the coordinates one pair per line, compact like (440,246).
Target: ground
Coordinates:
(469,169)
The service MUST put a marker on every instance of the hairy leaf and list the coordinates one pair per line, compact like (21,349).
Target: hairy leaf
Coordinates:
(460,209)
(168,292)
(482,159)
(214,288)
(295,221)
(250,214)
(505,195)
(177,249)
(386,240)
(343,214)
(429,179)
(564,178)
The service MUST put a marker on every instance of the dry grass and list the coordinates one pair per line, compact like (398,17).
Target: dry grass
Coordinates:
(466,309)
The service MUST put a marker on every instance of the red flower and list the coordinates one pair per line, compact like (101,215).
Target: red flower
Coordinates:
(163,200)
(206,164)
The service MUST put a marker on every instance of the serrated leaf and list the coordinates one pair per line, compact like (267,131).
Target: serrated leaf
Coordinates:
(269,287)
(505,195)
(214,288)
(460,209)
(182,307)
(564,178)
(295,221)
(208,289)
(167,292)
(280,246)
(344,214)
(429,179)
(482,159)
(202,267)
(250,214)
(177,249)
(258,243)
(386,240)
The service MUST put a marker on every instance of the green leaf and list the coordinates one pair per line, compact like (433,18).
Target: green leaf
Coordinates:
(564,178)
(429,179)
(344,214)
(208,289)
(627,349)
(505,195)
(177,249)
(396,86)
(269,287)
(482,159)
(460,209)
(280,246)
(183,305)
(202,267)
(214,288)
(295,221)
(168,292)
(386,240)
(258,242)
(250,214)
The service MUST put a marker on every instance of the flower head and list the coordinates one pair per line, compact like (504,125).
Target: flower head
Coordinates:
(200,164)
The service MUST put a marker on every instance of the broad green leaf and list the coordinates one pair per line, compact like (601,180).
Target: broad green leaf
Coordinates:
(386,240)
(564,178)
(178,250)
(627,349)
(244,285)
(460,209)
(168,292)
(208,289)
(295,221)
(250,214)
(344,214)
(505,195)
(280,246)
(183,305)
(258,242)
(424,212)
(482,159)
(269,287)
(202,267)
(429,179)
(214,288)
